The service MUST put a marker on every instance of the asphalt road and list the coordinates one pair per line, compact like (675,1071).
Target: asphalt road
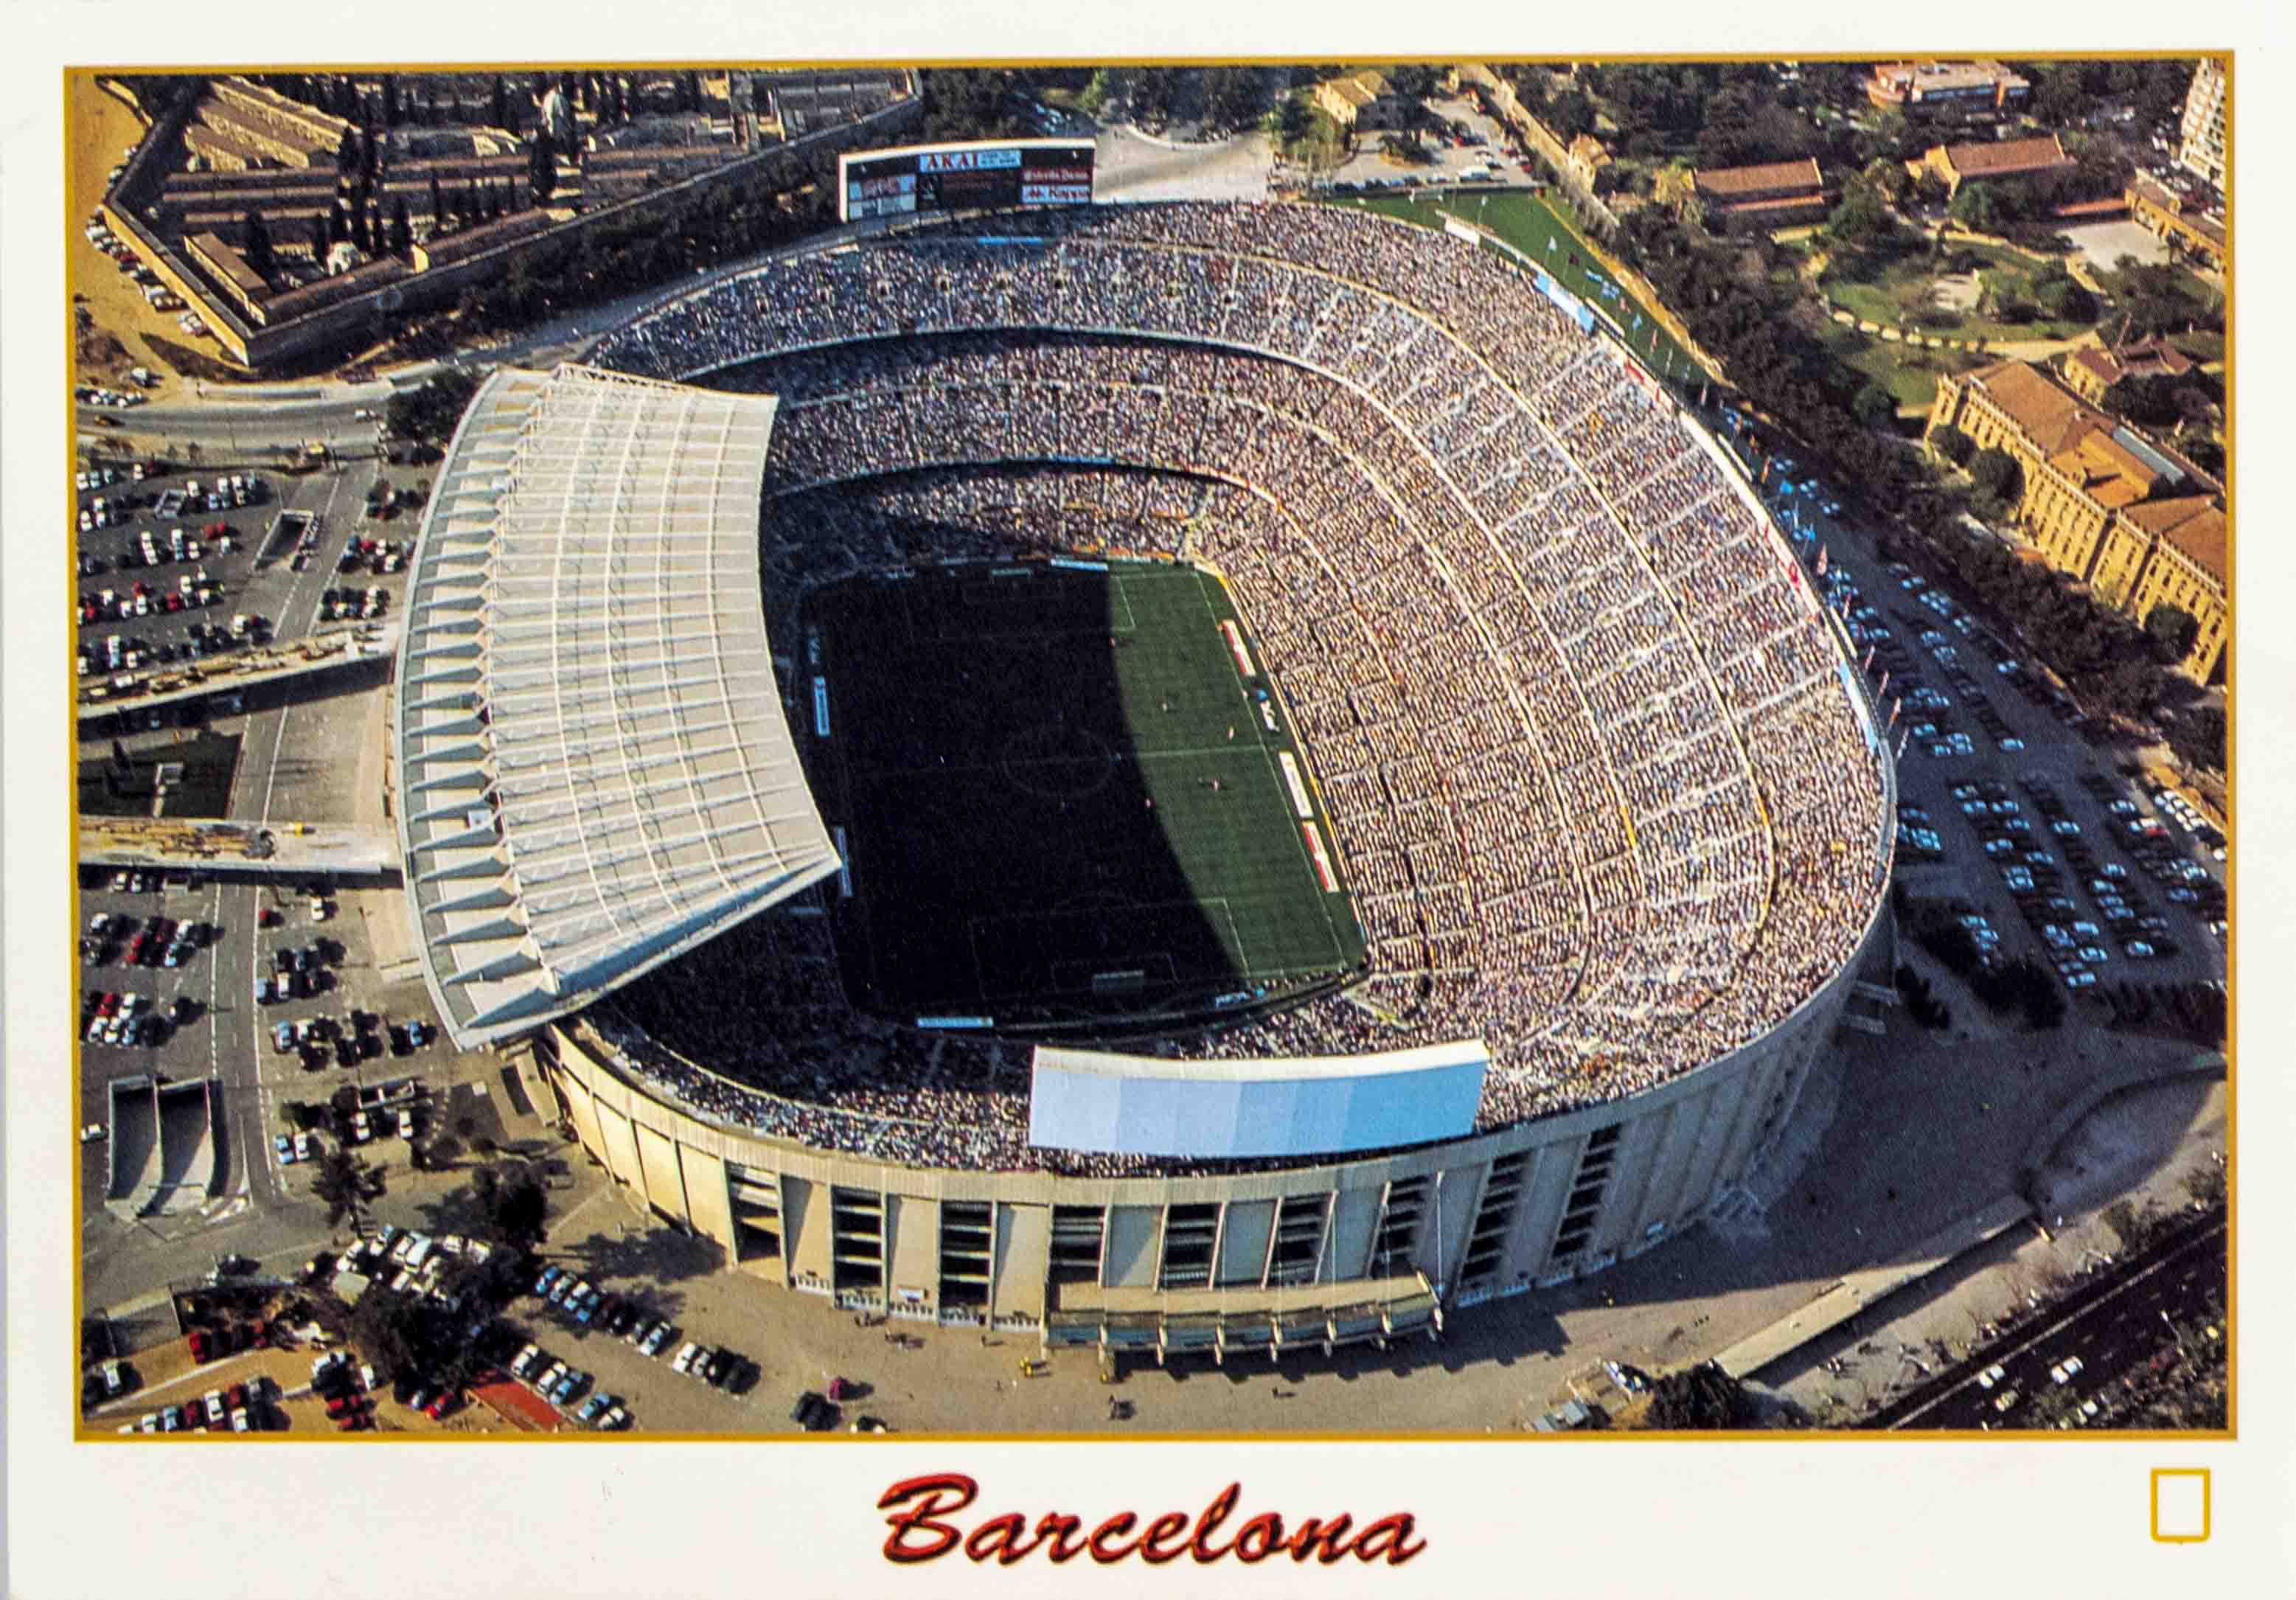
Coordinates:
(2115,1323)
(240,428)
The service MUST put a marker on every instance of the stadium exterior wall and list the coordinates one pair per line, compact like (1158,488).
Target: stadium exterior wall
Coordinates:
(1477,1219)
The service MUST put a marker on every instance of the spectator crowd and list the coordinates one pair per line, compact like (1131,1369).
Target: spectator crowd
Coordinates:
(1601,791)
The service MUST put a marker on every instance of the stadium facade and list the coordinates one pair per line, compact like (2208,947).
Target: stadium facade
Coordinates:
(1699,785)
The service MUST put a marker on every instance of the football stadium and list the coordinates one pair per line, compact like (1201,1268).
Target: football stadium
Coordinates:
(1179,778)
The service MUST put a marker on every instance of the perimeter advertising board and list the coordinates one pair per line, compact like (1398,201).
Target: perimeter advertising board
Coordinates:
(994,174)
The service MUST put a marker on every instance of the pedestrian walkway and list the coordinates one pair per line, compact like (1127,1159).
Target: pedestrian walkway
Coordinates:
(1869,1285)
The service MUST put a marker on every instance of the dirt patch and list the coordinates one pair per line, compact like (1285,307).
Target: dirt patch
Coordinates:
(1957,294)
(100,354)
(197,364)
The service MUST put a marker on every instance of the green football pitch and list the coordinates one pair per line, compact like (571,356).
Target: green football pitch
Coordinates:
(1062,801)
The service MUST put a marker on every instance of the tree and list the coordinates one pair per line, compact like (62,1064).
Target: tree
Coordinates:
(1952,444)
(2199,737)
(1875,406)
(2172,630)
(1569,114)
(2060,98)
(402,228)
(438,207)
(344,1182)
(2059,295)
(1232,95)
(392,110)
(499,103)
(1703,1398)
(1996,475)
(1106,83)
(542,172)
(323,235)
(429,414)
(370,153)
(1977,208)
(513,1205)
(347,154)
(1863,219)
(1151,94)
(1889,139)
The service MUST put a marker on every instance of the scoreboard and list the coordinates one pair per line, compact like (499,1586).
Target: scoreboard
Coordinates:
(994,174)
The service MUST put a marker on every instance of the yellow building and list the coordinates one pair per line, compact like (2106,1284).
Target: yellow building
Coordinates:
(2186,569)
(2102,503)
(1587,157)
(1994,160)
(2190,227)
(2093,371)
(1362,100)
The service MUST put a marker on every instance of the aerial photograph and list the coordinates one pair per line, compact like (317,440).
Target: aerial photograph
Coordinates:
(1451,748)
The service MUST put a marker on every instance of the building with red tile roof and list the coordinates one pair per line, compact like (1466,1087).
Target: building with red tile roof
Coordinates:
(1996,160)
(2102,501)
(1773,195)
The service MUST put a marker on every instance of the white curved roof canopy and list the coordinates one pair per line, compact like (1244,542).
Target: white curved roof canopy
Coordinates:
(594,770)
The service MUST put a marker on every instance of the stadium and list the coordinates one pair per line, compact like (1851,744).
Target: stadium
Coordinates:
(1178,778)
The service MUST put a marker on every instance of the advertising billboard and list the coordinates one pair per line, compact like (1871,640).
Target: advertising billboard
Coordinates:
(996,175)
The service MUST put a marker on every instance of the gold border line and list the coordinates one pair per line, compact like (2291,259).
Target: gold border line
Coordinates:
(79,79)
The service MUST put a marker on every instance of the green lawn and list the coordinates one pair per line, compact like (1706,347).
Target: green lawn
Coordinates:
(1914,388)
(1532,227)
(1891,296)
(1059,799)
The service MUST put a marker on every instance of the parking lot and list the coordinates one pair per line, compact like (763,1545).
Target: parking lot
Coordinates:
(184,563)
(2035,839)
(1460,140)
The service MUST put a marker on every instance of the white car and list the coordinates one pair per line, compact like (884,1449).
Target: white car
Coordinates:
(685,1357)
(1991,1375)
(2065,1371)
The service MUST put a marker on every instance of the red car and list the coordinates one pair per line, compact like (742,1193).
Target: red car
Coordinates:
(443,1405)
(234,1399)
(201,1347)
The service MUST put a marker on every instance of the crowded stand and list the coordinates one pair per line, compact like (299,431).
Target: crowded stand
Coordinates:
(1602,794)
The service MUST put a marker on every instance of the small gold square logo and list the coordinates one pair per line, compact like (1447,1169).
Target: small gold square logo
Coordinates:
(2180,1505)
